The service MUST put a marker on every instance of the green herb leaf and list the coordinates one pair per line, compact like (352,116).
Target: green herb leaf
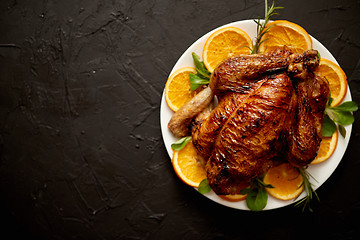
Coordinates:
(329,127)
(196,81)
(349,106)
(260,183)
(261,27)
(201,70)
(268,186)
(202,75)
(256,199)
(257,196)
(180,144)
(340,117)
(330,99)
(204,186)
(342,131)
(310,192)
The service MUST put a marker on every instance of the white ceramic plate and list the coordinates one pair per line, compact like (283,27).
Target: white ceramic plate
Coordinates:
(321,172)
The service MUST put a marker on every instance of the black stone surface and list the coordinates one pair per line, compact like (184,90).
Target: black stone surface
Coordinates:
(81,152)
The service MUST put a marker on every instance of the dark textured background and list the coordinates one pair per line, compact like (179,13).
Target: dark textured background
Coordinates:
(81,153)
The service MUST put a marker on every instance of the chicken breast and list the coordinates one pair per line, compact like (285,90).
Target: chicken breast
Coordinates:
(251,135)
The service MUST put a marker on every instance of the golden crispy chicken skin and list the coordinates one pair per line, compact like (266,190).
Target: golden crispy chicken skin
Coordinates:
(238,73)
(179,123)
(250,137)
(205,131)
(305,135)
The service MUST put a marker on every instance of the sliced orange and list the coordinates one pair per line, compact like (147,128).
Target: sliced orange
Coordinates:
(336,78)
(233,198)
(285,33)
(327,148)
(236,197)
(188,165)
(224,43)
(177,88)
(286,180)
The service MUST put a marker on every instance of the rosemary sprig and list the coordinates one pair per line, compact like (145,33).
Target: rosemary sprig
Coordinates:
(310,192)
(261,28)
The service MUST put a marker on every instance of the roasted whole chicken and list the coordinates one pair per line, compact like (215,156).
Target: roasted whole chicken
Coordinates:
(270,108)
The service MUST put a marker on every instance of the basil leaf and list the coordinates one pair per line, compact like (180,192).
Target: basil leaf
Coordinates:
(342,117)
(329,127)
(180,144)
(196,81)
(342,131)
(200,67)
(204,186)
(256,199)
(350,106)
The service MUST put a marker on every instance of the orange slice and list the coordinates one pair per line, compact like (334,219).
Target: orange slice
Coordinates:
(336,78)
(188,165)
(177,88)
(285,33)
(224,43)
(233,198)
(286,180)
(236,197)
(327,148)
